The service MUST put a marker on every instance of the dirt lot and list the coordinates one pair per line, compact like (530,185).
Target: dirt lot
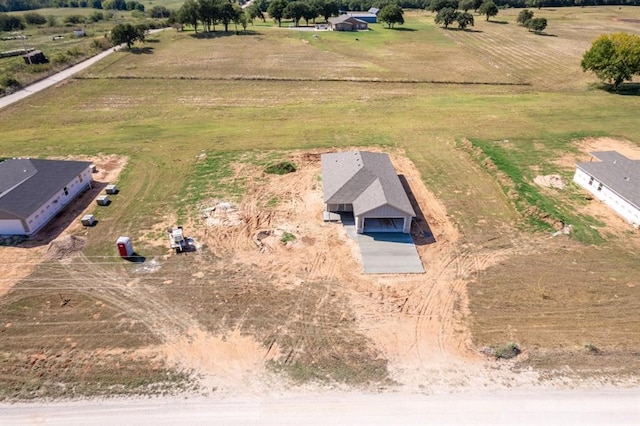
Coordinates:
(247,307)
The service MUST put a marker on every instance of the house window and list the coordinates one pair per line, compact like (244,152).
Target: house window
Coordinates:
(599,187)
(66,191)
(591,181)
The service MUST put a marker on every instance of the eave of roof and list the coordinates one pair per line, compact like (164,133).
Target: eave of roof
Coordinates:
(50,176)
(617,172)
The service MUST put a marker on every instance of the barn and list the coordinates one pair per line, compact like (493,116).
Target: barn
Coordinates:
(613,179)
(366,183)
(33,191)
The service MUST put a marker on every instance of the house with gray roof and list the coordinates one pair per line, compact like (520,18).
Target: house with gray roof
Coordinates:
(613,179)
(366,183)
(33,191)
(347,23)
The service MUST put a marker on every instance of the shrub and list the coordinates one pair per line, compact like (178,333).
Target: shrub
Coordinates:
(281,168)
(60,59)
(33,18)
(9,85)
(286,237)
(96,16)
(508,351)
(592,348)
(74,19)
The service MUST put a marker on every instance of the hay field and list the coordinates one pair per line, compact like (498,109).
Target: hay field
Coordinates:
(421,91)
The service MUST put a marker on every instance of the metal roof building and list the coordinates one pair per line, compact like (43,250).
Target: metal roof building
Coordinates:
(615,180)
(33,191)
(366,183)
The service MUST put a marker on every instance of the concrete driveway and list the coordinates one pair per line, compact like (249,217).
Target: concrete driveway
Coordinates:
(385,252)
(389,253)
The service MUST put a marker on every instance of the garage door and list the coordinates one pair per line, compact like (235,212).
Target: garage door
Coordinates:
(383,224)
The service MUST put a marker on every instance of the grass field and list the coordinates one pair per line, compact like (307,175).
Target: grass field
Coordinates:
(422,91)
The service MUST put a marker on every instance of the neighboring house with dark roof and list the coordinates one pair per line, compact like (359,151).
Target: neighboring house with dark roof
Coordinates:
(33,191)
(347,23)
(366,183)
(614,180)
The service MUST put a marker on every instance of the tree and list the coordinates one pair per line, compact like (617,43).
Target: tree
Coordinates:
(226,13)
(537,25)
(310,12)
(524,16)
(438,5)
(188,14)
(329,8)
(614,58)
(446,16)
(127,33)
(10,22)
(295,10)
(466,5)
(254,11)
(488,8)
(276,10)
(391,14)
(159,11)
(535,3)
(464,19)
(33,18)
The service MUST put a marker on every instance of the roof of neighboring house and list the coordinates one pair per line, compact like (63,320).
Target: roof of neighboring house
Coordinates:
(367,180)
(26,184)
(345,18)
(357,14)
(373,10)
(617,172)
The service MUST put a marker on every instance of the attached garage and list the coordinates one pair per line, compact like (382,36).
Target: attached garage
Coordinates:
(366,184)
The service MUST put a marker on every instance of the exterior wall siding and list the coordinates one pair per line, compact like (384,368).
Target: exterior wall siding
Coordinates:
(11,227)
(623,208)
(57,202)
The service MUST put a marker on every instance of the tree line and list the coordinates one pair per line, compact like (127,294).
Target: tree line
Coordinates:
(18,5)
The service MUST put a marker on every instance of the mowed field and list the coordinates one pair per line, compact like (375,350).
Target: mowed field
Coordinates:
(419,89)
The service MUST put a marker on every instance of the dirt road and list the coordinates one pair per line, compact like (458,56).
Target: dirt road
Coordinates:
(610,407)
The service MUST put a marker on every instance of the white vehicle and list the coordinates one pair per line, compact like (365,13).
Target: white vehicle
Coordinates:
(179,242)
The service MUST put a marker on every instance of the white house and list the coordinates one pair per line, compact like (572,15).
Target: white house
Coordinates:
(613,179)
(366,183)
(33,191)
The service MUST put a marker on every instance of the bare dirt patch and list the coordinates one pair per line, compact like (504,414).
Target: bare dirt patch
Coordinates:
(417,322)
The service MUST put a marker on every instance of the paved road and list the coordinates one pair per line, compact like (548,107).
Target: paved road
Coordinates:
(539,407)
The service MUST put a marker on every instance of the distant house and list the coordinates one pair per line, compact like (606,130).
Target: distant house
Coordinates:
(366,184)
(347,23)
(613,179)
(33,191)
(371,16)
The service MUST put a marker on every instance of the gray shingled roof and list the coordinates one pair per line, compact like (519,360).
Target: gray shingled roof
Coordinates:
(367,180)
(618,173)
(345,18)
(26,184)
